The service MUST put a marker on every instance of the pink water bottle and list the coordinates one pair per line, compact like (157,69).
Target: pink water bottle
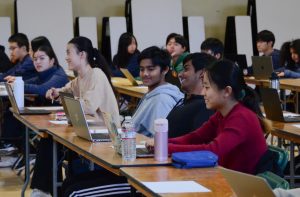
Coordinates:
(161,139)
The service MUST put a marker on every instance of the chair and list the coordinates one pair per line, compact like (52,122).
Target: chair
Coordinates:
(281,159)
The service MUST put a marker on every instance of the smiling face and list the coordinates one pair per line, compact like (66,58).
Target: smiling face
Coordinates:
(42,61)
(151,75)
(189,78)
(214,98)
(73,57)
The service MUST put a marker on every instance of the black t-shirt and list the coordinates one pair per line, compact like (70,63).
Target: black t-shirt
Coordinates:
(188,115)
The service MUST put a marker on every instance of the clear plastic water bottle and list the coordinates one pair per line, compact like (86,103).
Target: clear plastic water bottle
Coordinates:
(19,91)
(128,140)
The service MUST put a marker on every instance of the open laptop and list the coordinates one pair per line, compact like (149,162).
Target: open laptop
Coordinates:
(272,106)
(247,185)
(262,67)
(129,76)
(62,99)
(93,133)
(240,60)
(115,137)
(22,111)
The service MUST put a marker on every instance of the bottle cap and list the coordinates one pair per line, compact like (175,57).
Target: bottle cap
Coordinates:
(128,118)
(161,125)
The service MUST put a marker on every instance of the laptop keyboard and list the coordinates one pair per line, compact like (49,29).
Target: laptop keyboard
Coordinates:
(100,136)
(143,152)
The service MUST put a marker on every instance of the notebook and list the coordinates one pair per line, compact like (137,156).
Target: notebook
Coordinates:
(262,67)
(129,76)
(114,133)
(22,111)
(93,133)
(62,99)
(272,106)
(247,185)
(240,60)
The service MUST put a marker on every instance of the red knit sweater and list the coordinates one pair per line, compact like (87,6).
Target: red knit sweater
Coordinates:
(237,139)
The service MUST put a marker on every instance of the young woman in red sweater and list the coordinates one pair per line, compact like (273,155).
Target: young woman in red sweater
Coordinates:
(235,131)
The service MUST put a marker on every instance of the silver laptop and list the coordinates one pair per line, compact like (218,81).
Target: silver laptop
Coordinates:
(262,67)
(62,99)
(91,132)
(22,111)
(129,76)
(272,106)
(247,185)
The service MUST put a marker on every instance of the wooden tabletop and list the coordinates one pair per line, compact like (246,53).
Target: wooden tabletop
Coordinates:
(123,86)
(101,153)
(210,178)
(286,131)
(289,84)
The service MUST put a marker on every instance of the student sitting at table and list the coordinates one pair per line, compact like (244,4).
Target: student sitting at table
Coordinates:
(177,47)
(92,86)
(50,74)
(5,63)
(157,103)
(190,113)
(19,56)
(213,46)
(292,67)
(161,97)
(265,41)
(126,56)
(235,131)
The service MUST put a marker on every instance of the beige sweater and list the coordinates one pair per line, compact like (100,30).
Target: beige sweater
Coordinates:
(95,93)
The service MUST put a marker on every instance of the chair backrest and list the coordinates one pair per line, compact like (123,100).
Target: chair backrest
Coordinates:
(282,156)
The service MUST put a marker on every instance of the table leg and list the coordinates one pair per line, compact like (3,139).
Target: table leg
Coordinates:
(292,165)
(27,165)
(297,103)
(54,169)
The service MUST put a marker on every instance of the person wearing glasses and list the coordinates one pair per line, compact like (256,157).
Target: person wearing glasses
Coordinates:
(190,112)
(19,56)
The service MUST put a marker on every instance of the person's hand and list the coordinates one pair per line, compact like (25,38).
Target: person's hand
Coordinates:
(150,145)
(280,74)
(52,94)
(10,79)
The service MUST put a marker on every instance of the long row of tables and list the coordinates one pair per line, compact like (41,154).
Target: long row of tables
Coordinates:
(142,169)
(104,155)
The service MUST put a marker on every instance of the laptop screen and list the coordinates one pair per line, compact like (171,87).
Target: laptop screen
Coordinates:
(11,97)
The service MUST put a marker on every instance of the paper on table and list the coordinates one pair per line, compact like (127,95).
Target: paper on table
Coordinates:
(175,187)
(296,125)
(46,108)
(61,122)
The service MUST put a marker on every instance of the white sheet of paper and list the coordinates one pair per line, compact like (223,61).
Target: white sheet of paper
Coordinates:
(98,131)
(175,187)
(47,108)
(296,125)
(140,146)
(60,122)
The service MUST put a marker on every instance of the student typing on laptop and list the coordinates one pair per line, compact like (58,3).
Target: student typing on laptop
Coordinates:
(49,74)
(290,58)
(94,89)
(157,103)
